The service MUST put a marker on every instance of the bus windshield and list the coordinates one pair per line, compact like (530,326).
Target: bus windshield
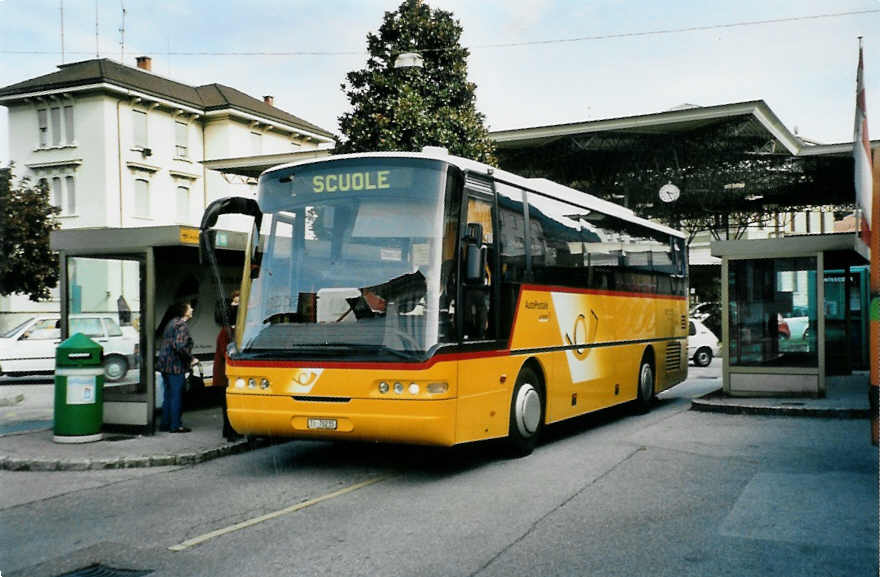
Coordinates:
(353,260)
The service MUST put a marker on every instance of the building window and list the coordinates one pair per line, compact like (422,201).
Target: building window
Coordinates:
(181,140)
(139,127)
(56,194)
(43,121)
(62,194)
(142,198)
(182,204)
(56,126)
(69,134)
(69,195)
(256,143)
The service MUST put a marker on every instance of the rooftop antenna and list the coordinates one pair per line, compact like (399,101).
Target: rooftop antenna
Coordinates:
(122,31)
(61,10)
(97,33)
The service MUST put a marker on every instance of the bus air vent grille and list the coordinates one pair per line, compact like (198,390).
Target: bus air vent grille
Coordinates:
(673,357)
(478,183)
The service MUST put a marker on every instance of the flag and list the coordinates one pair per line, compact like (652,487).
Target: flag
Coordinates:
(862,150)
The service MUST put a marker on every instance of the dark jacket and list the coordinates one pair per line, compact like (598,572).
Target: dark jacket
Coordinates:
(175,350)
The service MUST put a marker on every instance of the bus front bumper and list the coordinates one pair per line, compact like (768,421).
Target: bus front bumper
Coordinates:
(421,422)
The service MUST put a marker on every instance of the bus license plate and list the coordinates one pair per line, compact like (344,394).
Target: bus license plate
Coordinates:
(327,424)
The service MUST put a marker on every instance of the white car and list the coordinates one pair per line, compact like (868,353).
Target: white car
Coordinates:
(29,348)
(702,344)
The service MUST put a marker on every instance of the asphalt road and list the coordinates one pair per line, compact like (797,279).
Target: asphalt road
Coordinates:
(673,492)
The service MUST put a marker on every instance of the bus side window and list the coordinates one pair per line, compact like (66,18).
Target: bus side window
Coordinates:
(512,245)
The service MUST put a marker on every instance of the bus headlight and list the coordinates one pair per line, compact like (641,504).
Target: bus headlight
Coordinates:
(239,383)
(252,383)
(398,388)
(413,389)
(383,387)
(438,388)
(264,383)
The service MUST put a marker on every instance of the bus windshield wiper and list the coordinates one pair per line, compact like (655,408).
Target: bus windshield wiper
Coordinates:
(335,349)
(408,355)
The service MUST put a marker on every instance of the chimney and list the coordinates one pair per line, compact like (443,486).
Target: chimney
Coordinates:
(270,100)
(145,63)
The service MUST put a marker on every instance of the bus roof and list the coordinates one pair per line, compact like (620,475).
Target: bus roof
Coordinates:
(539,185)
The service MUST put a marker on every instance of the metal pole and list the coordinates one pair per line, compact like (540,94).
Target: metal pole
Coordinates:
(874,343)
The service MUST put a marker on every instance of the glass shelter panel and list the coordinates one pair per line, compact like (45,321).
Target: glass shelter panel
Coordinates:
(104,304)
(773,316)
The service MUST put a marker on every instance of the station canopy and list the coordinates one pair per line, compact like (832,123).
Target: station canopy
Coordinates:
(727,160)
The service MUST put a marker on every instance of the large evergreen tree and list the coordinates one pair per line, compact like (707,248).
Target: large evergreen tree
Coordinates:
(27,264)
(408,108)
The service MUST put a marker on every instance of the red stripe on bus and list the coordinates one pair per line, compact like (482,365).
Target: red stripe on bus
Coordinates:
(563,289)
(370,365)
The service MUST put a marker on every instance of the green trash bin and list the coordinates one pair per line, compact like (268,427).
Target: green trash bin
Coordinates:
(79,386)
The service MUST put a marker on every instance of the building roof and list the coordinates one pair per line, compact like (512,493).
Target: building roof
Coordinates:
(210,97)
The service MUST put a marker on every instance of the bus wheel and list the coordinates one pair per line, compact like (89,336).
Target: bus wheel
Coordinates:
(646,386)
(526,414)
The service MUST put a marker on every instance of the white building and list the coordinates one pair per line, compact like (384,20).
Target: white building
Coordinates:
(122,147)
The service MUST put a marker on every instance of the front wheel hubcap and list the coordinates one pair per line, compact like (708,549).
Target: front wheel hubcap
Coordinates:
(527,410)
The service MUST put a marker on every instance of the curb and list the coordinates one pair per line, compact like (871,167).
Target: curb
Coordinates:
(8,463)
(776,410)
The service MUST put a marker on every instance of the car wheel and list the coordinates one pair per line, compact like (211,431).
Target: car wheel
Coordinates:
(115,368)
(645,397)
(703,357)
(526,413)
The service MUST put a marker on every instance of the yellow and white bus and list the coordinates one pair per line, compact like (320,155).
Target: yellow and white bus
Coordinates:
(428,299)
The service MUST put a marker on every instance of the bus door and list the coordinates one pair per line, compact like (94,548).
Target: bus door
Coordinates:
(478,270)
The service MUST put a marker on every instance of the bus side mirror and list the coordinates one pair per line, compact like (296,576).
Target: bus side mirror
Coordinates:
(475,255)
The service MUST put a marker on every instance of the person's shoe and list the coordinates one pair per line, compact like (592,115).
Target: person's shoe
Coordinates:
(182,430)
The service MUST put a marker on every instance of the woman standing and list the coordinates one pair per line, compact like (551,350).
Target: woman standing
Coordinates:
(175,360)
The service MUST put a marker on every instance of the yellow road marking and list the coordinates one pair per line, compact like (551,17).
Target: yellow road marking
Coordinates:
(292,509)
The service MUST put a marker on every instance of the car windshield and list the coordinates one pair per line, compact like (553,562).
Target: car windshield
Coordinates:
(352,259)
(12,332)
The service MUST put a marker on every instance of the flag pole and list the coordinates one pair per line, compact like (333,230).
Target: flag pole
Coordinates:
(872,183)
(874,346)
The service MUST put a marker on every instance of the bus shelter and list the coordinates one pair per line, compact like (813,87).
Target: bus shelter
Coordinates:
(133,275)
(791,313)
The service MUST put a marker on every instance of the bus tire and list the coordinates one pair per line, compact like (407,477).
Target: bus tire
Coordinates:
(645,385)
(526,413)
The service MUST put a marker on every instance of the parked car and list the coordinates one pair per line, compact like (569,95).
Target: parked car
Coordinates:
(709,313)
(793,327)
(29,348)
(702,343)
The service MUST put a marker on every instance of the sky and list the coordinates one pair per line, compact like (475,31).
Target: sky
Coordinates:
(535,62)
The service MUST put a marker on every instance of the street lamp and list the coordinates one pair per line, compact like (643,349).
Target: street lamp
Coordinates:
(409,60)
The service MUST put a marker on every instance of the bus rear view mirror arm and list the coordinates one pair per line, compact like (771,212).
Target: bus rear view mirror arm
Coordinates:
(207,237)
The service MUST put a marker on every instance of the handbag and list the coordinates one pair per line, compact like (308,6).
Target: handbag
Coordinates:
(195,379)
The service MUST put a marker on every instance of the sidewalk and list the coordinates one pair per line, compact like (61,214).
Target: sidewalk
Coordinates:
(847,398)
(34,450)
